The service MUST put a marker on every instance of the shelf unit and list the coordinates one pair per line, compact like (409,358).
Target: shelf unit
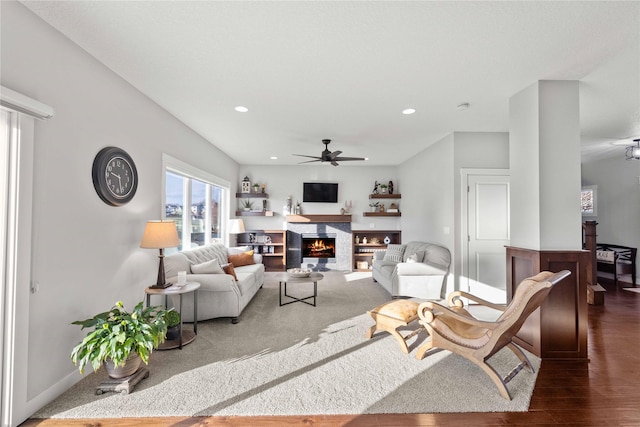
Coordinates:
(274,254)
(384,196)
(261,196)
(363,252)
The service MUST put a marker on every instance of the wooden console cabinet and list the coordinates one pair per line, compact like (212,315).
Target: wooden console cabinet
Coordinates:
(558,329)
(271,244)
(363,251)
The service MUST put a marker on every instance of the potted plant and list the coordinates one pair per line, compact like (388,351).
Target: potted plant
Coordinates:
(383,188)
(120,340)
(247,205)
(173,324)
(374,206)
(256,188)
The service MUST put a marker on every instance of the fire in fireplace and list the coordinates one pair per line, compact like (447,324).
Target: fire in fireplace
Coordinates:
(318,246)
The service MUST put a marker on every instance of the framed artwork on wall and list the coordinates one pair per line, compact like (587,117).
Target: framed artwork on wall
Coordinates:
(589,200)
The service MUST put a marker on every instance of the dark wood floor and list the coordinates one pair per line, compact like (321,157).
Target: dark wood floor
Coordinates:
(605,391)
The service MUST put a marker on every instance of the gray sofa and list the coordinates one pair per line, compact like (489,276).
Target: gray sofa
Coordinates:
(420,270)
(219,295)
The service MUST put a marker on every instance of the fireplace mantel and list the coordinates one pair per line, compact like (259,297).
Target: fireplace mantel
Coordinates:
(318,218)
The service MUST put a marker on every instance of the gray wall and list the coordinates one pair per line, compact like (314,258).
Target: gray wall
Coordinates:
(86,255)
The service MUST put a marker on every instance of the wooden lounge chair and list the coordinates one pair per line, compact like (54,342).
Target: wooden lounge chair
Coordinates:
(454,329)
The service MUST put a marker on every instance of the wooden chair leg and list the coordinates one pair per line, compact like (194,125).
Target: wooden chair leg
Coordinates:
(523,357)
(495,377)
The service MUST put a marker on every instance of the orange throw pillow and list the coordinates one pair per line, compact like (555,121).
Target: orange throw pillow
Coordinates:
(228,269)
(245,258)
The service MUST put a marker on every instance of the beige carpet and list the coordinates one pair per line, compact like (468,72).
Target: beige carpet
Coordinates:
(296,360)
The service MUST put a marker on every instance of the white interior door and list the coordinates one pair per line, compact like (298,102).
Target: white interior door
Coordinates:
(487,235)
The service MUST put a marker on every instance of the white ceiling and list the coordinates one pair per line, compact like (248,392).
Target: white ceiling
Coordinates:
(345,70)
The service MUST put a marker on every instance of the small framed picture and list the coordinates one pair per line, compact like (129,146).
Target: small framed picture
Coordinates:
(589,200)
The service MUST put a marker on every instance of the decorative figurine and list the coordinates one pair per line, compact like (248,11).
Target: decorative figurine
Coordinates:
(390,187)
(357,239)
(375,188)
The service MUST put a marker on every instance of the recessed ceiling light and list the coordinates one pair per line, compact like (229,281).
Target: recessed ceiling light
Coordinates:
(241,109)
(409,111)
(273,158)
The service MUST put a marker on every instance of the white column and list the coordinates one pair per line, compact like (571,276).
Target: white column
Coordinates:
(544,151)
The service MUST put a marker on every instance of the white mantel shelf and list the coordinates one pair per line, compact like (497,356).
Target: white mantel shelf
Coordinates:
(319,218)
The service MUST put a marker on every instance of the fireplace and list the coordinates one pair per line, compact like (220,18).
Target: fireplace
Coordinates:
(318,246)
(337,228)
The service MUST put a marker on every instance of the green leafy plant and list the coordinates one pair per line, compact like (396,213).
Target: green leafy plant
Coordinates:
(374,204)
(172,318)
(117,333)
(247,204)
(383,185)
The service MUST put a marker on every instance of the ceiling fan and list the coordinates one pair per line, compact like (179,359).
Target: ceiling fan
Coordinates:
(328,156)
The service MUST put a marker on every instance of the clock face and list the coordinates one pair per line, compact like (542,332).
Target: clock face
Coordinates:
(119,177)
(115,177)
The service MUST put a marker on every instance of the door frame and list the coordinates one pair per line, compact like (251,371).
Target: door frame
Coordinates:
(464,218)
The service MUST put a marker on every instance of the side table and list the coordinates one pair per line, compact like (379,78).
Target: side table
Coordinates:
(184,337)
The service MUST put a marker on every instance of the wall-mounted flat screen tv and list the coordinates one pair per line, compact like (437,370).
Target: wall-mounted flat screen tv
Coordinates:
(320,192)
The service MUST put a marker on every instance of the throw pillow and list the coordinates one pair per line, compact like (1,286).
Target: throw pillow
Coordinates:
(417,257)
(235,250)
(394,253)
(228,269)
(245,258)
(209,267)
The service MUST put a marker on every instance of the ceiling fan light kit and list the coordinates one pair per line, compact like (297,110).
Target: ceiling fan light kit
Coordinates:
(329,157)
(633,151)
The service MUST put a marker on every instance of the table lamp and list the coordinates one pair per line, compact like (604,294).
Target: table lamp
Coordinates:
(236,226)
(159,235)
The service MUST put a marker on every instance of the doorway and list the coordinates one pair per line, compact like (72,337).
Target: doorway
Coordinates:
(485,226)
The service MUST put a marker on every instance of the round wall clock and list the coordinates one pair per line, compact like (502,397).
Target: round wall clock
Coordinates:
(115,176)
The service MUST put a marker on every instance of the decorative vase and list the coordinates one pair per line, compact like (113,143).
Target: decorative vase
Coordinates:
(130,367)
(173,333)
(383,190)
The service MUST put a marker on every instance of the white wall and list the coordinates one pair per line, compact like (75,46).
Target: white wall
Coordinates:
(618,200)
(355,184)
(86,255)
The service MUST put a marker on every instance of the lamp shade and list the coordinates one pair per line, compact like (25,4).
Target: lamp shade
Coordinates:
(236,226)
(160,234)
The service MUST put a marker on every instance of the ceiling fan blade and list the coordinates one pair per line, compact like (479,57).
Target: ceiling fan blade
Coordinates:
(310,161)
(311,157)
(346,159)
(334,163)
(335,154)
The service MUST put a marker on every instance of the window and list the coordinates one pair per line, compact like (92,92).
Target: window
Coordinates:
(197,202)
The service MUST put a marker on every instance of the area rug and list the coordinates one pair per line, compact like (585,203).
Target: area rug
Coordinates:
(301,360)
(636,290)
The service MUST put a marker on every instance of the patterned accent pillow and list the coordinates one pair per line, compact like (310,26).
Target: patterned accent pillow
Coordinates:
(394,253)
(209,267)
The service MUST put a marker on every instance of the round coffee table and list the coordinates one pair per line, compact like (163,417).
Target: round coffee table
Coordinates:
(313,277)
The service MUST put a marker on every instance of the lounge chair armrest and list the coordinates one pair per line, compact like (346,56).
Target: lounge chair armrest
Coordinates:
(455,300)
(429,310)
